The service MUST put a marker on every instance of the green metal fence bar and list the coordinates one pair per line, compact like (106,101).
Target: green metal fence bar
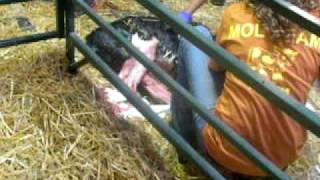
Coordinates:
(3,2)
(28,39)
(70,28)
(227,132)
(286,103)
(295,14)
(60,8)
(157,122)
(76,65)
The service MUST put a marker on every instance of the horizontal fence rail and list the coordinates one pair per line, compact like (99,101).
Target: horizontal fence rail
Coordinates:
(295,14)
(233,137)
(159,124)
(28,39)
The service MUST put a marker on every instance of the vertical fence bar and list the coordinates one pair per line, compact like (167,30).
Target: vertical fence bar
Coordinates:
(60,9)
(70,28)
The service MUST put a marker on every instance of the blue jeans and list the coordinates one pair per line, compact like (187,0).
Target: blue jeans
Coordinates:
(204,84)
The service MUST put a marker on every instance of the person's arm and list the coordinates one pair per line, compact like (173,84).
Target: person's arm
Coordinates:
(194,5)
(186,14)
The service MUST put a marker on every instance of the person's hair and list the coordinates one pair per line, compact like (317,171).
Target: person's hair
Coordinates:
(279,27)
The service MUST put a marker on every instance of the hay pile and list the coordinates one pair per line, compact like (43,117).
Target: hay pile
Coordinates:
(51,127)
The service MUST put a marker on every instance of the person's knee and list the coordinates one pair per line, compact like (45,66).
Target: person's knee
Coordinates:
(203,31)
(186,47)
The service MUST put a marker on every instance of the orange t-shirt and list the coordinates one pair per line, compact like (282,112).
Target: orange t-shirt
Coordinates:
(293,69)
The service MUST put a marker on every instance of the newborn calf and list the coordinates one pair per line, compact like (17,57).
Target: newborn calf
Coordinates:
(153,38)
(134,73)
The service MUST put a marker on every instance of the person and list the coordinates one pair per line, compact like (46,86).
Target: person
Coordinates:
(277,49)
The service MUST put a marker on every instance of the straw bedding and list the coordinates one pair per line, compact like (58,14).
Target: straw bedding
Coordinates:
(52,127)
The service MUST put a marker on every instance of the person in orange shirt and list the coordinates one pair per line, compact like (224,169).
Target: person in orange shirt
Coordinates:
(275,48)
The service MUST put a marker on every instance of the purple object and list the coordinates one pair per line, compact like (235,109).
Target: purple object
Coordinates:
(186,16)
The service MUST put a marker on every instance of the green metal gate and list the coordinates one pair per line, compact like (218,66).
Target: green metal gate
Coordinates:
(287,104)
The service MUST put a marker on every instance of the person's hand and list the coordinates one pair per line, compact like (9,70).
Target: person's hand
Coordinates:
(186,16)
